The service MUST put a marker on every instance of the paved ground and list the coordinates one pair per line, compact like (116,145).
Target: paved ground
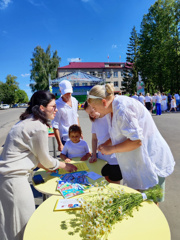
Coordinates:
(168,125)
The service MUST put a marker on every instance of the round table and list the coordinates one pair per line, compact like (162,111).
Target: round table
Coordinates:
(50,182)
(149,223)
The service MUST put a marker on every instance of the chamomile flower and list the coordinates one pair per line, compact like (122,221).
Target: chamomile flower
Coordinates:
(110,201)
(109,211)
(96,184)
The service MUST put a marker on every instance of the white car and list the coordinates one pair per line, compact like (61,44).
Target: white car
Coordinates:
(4,106)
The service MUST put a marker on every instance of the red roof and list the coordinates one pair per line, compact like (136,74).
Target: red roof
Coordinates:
(77,65)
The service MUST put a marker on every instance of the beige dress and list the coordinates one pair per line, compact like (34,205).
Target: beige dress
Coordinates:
(26,145)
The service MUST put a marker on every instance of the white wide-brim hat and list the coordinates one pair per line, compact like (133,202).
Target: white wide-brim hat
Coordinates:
(65,87)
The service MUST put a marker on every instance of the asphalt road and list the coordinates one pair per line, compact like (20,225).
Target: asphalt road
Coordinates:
(168,125)
(8,118)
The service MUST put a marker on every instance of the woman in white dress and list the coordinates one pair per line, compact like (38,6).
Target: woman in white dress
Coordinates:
(26,148)
(142,153)
(163,102)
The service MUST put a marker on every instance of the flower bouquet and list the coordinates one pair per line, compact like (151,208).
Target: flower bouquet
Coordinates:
(108,206)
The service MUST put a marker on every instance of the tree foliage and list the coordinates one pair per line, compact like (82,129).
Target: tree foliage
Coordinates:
(43,65)
(155,51)
(10,92)
(159,49)
(21,96)
(130,73)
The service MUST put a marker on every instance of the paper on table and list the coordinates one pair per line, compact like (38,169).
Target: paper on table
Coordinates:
(93,175)
(65,204)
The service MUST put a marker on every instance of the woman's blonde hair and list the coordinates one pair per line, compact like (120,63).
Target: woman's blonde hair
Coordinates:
(101,92)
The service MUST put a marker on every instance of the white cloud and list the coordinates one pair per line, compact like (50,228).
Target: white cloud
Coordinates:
(114,46)
(37,3)
(74,59)
(4,3)
(25,75)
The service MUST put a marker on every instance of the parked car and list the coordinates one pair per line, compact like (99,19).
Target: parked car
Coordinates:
(4,106)
(15,105)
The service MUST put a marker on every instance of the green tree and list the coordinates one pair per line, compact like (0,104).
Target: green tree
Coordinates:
(8,90)
(21,96)
(43,65)
(158,53)
(130,73)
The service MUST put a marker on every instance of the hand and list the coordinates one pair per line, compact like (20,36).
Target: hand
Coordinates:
(84,158)
(60,147)
(70,167)
(67,160)
(93,159)
(82,136)
(105,149)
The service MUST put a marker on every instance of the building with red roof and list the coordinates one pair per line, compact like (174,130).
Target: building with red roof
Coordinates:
(110,72)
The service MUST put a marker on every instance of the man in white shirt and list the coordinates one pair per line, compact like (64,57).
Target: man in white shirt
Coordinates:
(135,96)
(142,99)
(67,114)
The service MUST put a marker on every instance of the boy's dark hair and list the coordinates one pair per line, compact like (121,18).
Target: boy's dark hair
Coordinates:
(75,128)
(38,98)
(85,107)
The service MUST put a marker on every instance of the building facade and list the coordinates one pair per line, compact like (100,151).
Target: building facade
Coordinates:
(110,72)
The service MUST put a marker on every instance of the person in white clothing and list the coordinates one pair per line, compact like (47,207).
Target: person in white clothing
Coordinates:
(26,148)
(143,155)
(173,104)
(67,114)
(163,102)
(75,147)
(148,102)
(135,96)
(100,134)
(141,99)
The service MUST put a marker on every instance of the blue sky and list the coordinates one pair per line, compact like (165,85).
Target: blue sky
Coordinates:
(86,29)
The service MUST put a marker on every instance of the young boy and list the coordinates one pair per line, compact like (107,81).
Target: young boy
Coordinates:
(75,147)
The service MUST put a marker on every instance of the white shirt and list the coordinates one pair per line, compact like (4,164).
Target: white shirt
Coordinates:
(148,98)
(26,145)
(65,117)
(141,99)
(135,97)
(141,167)
(176,96)
(100,128)
(158,99)
(72,150)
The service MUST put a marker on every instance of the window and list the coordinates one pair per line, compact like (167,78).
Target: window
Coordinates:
(116,84)
(108,74)
(84,84)
(115,74)
(93,73)
(76,84)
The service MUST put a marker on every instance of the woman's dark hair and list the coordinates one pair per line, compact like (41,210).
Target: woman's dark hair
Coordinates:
(38,98)
(75,128)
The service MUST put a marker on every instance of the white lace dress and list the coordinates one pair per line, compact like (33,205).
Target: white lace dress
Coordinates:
(142,166)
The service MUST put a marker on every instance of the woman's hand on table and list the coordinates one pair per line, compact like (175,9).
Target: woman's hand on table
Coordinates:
(93,159)
(67,160)
(70,167)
